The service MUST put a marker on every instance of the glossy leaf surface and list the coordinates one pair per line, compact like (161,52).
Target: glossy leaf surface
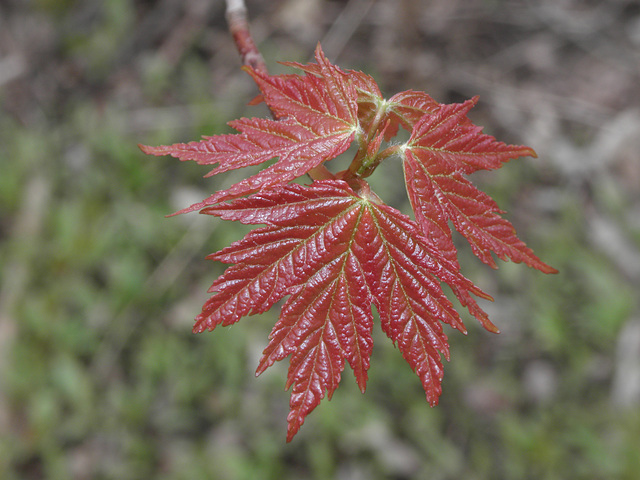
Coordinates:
(332,250)
(335,254)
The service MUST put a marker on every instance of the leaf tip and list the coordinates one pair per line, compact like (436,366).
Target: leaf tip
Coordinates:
(262,366)
(199,326)
(149,150)
(257,100)
(318,52)
(544,268)
(489,326)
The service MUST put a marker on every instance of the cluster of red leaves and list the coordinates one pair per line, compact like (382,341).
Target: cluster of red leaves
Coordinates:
(333,247)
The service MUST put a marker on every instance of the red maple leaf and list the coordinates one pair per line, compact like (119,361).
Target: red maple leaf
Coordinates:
(443,147)
(333,247)
(316,121)
(335,254)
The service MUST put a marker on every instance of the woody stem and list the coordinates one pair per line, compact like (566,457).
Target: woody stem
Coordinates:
(239,27)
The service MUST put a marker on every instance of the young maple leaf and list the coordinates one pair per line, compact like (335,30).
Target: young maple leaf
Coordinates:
(334,248)
(335,254)
(443,147)
(316,121)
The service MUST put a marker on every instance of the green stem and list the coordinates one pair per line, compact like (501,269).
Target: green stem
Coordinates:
(367,167)
(361,155)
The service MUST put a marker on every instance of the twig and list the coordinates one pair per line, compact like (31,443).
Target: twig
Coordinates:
(251,56)
(239,28)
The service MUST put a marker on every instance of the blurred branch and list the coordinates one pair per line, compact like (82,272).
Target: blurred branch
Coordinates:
(345,26)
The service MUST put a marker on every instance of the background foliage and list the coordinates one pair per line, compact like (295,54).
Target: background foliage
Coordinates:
(100,376)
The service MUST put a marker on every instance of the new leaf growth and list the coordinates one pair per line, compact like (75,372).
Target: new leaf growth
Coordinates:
(333,248)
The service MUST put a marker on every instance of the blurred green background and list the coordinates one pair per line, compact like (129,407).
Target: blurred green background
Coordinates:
(100,376)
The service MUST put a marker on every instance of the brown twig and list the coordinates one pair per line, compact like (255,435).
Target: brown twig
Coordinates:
(239,28)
